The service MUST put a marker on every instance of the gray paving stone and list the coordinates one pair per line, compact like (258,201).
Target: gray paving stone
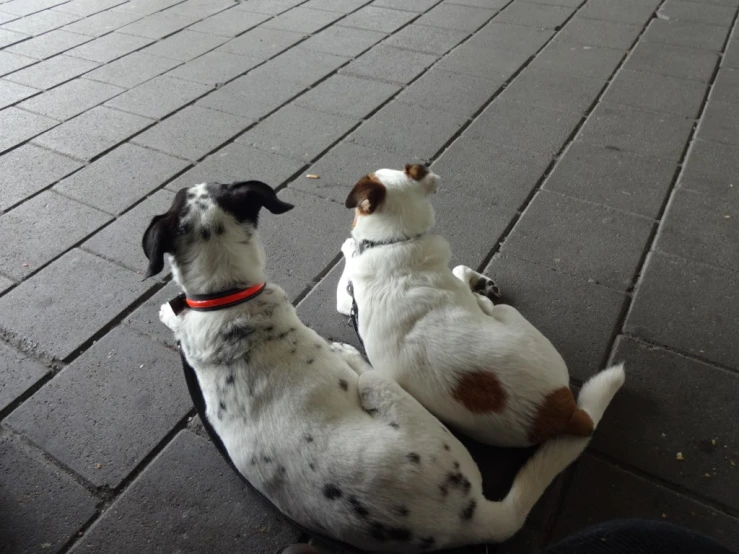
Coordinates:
(133,69)
(83,8)
(713,161)
(6,17)
(342,167)
(19,126)
(686,33)
(418,6)
(254,95)
(524,126)
(214,512)
(145,7)
(614,178)
(230,23)
(297,132)
(200,9)
(9,37)
(41,229)
(606,34)
(411,130)
(45,506)
(122,177)
(157,25)
(378,19)
(318,309)
(731,56)
(52,72)
(68,302)
(659,399)
(347,96)
(494,61)
(146,317)
(29,169)
(71,99)
(10,62)
(64,418)
(214,68)
(720,123)
(159,97)
(390,64)
(271,7)
(506,36)
(555,90)
(27,7)
(568,3)
(293,262)
(687,306)
(579,317)
(120,241)
(93,132)
(302,20)
(578,238)
(109,47)
(471,244)
(185,45)
(499,175)
(450,92)
(5,285)
(345,41)
(702,228)
(19,373)
(261,44)
(421,38)
(461,18)
(578,59)
(631,496)
(193,132)
(651,134)
(726,87)
(341,6)
(674,61)
(300,66)
(239,162)
(535,15)
(624,11)
(102,23)
(39,23)
(12,93)
(659,93)
(701,13)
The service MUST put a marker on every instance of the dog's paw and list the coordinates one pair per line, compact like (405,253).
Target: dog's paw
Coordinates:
(167,315)
(486,287)
(349,248)
(343,348)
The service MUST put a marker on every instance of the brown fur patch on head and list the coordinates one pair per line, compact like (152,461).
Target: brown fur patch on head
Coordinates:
(416,171)
(367,195)
(480,392)
(558,414)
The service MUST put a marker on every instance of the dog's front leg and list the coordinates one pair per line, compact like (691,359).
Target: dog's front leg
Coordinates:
(343,298)
(168,317)
(351,356)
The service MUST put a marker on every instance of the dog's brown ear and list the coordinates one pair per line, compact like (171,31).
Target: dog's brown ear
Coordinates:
(416,171)
(367,195)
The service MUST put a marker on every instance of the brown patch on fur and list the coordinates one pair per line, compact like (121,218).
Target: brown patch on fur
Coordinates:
(367,195)
(416,171)
(559,415)
(480,392)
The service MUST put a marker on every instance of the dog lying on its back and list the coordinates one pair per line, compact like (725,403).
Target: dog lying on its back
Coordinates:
(481,368)
(351,456)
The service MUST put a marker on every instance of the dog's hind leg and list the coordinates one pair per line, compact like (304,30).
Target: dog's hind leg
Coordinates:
(478,283)
(351,356)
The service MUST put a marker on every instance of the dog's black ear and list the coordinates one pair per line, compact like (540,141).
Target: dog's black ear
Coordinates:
(245,199)
(367,195)
(158,240)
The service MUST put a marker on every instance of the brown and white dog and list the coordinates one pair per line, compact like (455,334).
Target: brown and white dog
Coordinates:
(481,368)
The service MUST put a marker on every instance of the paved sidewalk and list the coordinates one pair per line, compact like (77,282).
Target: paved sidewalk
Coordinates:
(589,151)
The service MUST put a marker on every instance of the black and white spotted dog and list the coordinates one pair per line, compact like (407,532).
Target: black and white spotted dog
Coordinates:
(339,449)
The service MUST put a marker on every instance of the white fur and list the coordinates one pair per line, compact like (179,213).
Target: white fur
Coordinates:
(337,447)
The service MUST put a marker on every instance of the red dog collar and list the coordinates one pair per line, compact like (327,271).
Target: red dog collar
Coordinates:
(216,301)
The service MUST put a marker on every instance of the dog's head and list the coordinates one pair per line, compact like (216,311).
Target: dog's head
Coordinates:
(209,234)
(390,204)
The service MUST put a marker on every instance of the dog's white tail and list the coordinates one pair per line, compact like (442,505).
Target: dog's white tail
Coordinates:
(500,520)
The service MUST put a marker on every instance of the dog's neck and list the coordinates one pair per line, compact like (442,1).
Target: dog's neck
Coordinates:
(221,268)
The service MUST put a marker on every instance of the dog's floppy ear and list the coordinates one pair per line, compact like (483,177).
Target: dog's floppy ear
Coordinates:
(158,240)
(367,195)
(262,195)
(245,199)
(416,171)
